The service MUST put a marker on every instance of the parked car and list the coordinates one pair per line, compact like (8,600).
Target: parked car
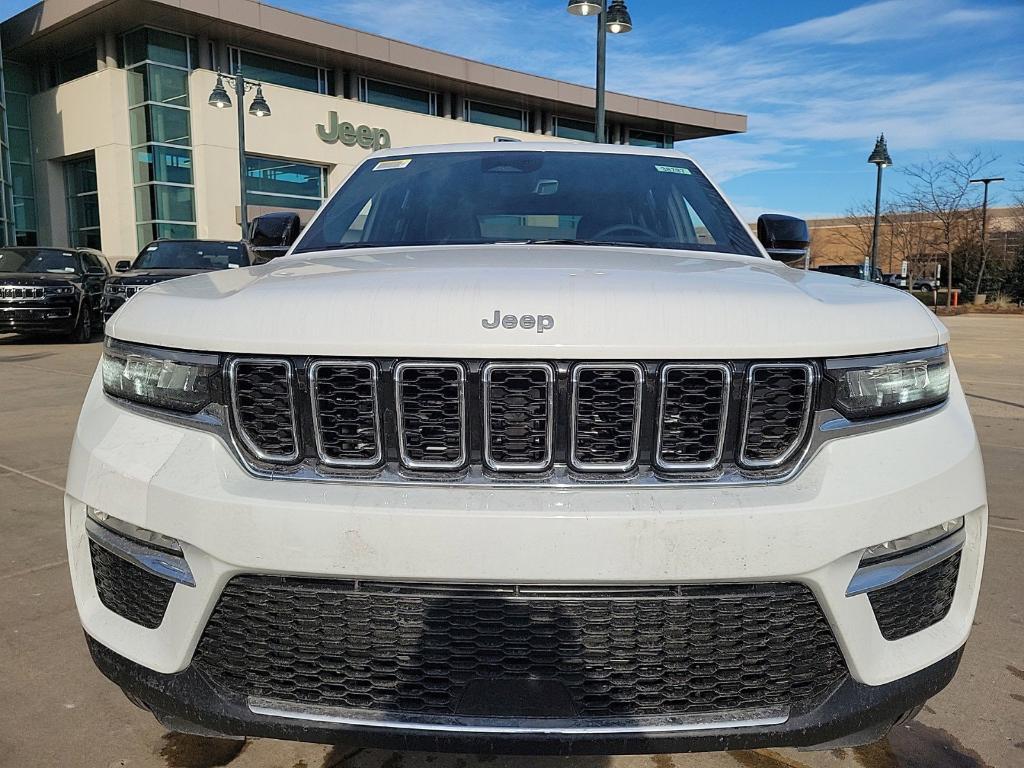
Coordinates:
(896,280)
(271,234)
(856,271)
(498,459)
(168,259)
(51,290)
(925,283)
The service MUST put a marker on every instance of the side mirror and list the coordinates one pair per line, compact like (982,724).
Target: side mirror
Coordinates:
(122,266)
(786,238)
(271,234)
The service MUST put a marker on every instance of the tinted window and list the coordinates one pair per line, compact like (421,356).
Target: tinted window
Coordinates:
(39,260)
(196,254)
(497,196)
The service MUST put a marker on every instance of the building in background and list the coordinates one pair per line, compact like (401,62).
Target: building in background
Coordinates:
(109,141)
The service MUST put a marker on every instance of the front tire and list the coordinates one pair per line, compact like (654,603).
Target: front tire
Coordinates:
(82,334)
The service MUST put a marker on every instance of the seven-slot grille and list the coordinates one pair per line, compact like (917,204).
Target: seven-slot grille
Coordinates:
(263,405)
(519,417)
(22,292)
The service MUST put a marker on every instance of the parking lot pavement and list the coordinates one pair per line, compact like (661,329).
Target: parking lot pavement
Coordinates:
(56,709)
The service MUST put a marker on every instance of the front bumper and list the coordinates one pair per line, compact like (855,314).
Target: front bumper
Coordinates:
(852,714)
(856,492)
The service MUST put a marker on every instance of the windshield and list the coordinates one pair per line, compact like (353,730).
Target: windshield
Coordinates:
(529,196)
(39,260)
(192,254)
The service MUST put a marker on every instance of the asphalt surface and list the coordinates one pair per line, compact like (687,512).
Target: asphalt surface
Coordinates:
(57,710)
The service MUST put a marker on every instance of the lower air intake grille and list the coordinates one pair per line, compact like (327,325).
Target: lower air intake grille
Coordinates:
(129,591)
(263,403)
(606,416)
(610,651)
(918,602)
(779,402)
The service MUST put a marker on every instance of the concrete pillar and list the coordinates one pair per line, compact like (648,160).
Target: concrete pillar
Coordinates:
(353,85)
(446,104)
(204,51)
(538,121)
(339,83)
(101,53)
(110,40)
(549,124)
(458,106)
(223,62)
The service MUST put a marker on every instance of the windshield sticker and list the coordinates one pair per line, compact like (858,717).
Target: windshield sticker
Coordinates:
(387,165)
(152,248)
(672,169)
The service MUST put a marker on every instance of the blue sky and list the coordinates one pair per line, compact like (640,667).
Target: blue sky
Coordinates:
(818,79)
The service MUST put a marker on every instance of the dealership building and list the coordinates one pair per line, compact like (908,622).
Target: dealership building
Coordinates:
(109,140)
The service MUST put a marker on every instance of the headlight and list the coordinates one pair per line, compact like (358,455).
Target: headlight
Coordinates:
(59,290)
(868,387)
(165,378)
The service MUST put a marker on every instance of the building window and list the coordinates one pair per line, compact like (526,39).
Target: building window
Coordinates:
(284,184)
(397,96)
(493,114)
(568,128)
(17,87)
(83,203)
(158,64)
(75,65)
(648,139)
(269,69)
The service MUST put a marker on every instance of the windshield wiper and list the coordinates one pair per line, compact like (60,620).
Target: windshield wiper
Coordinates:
(578,241)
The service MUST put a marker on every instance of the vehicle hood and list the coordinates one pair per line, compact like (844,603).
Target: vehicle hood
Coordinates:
(38,278)
(605,303)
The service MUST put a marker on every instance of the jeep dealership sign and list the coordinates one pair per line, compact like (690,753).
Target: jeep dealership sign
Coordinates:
(351,135)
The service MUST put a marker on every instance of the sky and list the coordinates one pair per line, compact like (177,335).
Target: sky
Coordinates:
(818,79)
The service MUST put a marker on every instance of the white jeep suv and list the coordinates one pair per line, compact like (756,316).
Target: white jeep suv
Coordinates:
(528,448)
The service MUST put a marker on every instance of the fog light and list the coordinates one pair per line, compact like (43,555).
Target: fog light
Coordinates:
(904,544)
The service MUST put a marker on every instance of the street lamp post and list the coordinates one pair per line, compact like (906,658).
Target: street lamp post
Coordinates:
(615,19)
(984,223)
(259,108)
(880,158)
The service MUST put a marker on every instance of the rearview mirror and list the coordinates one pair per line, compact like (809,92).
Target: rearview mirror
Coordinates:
(272,234)
(122,266)
(786,238)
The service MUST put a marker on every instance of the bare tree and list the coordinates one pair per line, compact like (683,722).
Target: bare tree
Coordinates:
(909,237)
(940,191)
(856,230)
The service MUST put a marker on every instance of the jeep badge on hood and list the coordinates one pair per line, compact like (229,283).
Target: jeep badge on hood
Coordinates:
(540,322)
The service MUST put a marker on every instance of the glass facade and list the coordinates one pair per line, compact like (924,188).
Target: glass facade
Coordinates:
(17,89)
(158,64)
(580,130)
(283,183)
(74,65)
(397,96)
(496,115)
(290,74)
(648,139)
(6,198)
(83,203)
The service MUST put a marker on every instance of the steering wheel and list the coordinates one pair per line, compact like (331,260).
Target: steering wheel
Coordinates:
(603,234)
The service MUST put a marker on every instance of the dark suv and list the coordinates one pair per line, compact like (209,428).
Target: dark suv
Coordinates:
(51,290)
(167,259)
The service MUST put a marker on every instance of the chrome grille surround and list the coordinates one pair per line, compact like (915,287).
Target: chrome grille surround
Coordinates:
(579,372)
(322,447)
(722,416)
(403,412)
(487,382)
(242,430)
(793,444)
